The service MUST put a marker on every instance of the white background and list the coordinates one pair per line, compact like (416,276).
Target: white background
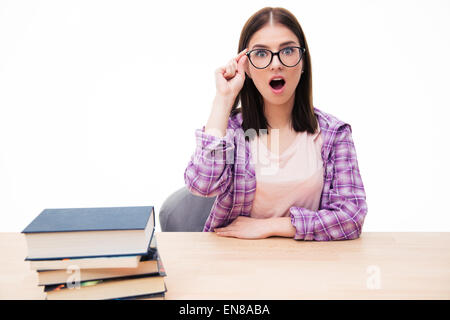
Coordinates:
(99,100)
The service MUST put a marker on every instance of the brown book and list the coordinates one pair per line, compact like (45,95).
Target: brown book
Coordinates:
(108,289)
(155,296)
(86,263)
(95,263)
(61,276)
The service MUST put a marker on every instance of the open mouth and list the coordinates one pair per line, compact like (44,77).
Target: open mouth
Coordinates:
(277,84)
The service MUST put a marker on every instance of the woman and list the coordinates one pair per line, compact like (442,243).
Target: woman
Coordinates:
(278,165)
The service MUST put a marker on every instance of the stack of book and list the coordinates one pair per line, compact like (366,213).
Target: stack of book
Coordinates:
(96,253)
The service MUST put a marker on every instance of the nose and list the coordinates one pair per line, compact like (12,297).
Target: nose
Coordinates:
(276,63)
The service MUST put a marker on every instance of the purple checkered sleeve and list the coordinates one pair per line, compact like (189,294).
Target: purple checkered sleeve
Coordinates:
(343,206)
(209,171)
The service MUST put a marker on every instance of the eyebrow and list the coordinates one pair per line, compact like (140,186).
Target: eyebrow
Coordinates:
(282,44)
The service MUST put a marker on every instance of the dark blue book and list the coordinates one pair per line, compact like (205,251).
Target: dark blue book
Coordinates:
(70,233)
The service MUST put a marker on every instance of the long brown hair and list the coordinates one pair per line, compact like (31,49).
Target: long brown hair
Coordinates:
(303,117)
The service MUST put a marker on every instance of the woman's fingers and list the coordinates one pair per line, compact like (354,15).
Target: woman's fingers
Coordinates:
(240,65)
(224,229)
(226,234)
(243,52)
(241,62)
(233,65)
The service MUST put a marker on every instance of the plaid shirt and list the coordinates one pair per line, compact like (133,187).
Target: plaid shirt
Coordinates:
(222,167)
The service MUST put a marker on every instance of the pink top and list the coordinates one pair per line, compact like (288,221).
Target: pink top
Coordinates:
(295,178)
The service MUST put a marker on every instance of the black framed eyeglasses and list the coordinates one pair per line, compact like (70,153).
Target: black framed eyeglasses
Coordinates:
(289,57)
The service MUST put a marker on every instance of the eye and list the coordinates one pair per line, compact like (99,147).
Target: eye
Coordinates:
(260,53)
(288,51)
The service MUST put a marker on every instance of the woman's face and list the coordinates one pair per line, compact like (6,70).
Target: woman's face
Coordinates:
(272,37)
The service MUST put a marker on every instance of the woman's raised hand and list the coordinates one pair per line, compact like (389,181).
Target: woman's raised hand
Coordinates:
(230,78)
